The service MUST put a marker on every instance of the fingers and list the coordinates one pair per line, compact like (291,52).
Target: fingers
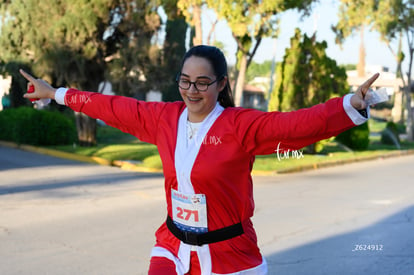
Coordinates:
(369,82)
(37,88)
(364,88)
(357,100)
(27,76)
(30,86)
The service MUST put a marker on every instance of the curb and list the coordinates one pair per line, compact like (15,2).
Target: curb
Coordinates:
(125,165)
(71,156)
(56,153)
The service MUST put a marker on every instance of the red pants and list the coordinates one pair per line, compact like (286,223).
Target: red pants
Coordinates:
(164,266)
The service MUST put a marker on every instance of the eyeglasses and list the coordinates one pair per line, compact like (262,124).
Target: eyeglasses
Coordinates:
(200,85)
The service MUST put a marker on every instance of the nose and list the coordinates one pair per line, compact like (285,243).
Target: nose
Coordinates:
(193,88)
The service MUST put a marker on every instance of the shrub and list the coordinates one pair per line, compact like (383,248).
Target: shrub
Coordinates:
(153,162)
(6,124)
(356,138)
(390,134)
(401,128)
(26,125)
(317,147)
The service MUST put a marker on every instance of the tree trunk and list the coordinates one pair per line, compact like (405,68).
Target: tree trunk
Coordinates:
(397,109)
(410,118)
(238,93)
(198,38)
(361,62)
(210,40)
(86,127)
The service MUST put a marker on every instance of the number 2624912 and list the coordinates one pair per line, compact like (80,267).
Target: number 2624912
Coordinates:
(368,247)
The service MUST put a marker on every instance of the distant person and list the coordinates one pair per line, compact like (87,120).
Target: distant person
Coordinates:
(208,147)
(5,100)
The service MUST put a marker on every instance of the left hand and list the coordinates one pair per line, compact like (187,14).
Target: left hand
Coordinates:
(357,99)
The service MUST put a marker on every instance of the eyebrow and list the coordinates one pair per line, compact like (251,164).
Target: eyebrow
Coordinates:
(198,77)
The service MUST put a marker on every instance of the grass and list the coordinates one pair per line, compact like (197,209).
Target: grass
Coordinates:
(333,153)
(137,152)
(272,163)
(116,145)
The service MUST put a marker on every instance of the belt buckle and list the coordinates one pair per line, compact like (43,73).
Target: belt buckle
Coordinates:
(191,238)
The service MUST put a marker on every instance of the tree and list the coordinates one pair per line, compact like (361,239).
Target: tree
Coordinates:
(191,9)
(306,77)
(354,16)
(134,65)
(62,48)
(74,45)
(393,19)
(174,48)
(251,21)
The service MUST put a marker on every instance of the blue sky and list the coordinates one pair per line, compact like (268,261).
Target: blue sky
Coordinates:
(324,15)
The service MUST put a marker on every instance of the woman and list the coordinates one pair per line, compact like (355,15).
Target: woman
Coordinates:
(208,147)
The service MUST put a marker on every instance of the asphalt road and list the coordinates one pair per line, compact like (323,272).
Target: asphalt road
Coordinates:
(65,217)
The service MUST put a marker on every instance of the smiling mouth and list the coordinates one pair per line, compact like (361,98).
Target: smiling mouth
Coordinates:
(191,99)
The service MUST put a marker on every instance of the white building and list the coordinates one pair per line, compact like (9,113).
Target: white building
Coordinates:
(386,80)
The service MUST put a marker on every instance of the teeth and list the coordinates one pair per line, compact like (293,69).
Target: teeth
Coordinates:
(194,99)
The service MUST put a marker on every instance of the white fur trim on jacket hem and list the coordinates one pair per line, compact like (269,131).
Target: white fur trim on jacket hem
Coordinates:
(181,270)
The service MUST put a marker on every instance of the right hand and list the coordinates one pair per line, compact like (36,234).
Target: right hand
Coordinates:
(357,99)
(42,89)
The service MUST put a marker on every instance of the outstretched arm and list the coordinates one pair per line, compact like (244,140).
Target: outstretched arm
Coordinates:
(260,132)
(127,114)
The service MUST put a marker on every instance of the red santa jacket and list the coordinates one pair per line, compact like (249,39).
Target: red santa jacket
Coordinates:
(223,165)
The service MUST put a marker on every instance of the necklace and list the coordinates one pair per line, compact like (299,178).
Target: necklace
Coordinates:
(190,130)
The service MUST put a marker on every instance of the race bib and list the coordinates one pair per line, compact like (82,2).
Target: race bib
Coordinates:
(189,211)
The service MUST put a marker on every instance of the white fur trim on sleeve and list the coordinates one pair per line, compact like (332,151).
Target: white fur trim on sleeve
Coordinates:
(353,113)
(60,95)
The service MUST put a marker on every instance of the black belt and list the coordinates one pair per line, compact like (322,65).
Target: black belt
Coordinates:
(215,236)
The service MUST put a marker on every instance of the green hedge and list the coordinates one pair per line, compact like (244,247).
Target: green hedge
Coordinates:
(26,125)
(356,138)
